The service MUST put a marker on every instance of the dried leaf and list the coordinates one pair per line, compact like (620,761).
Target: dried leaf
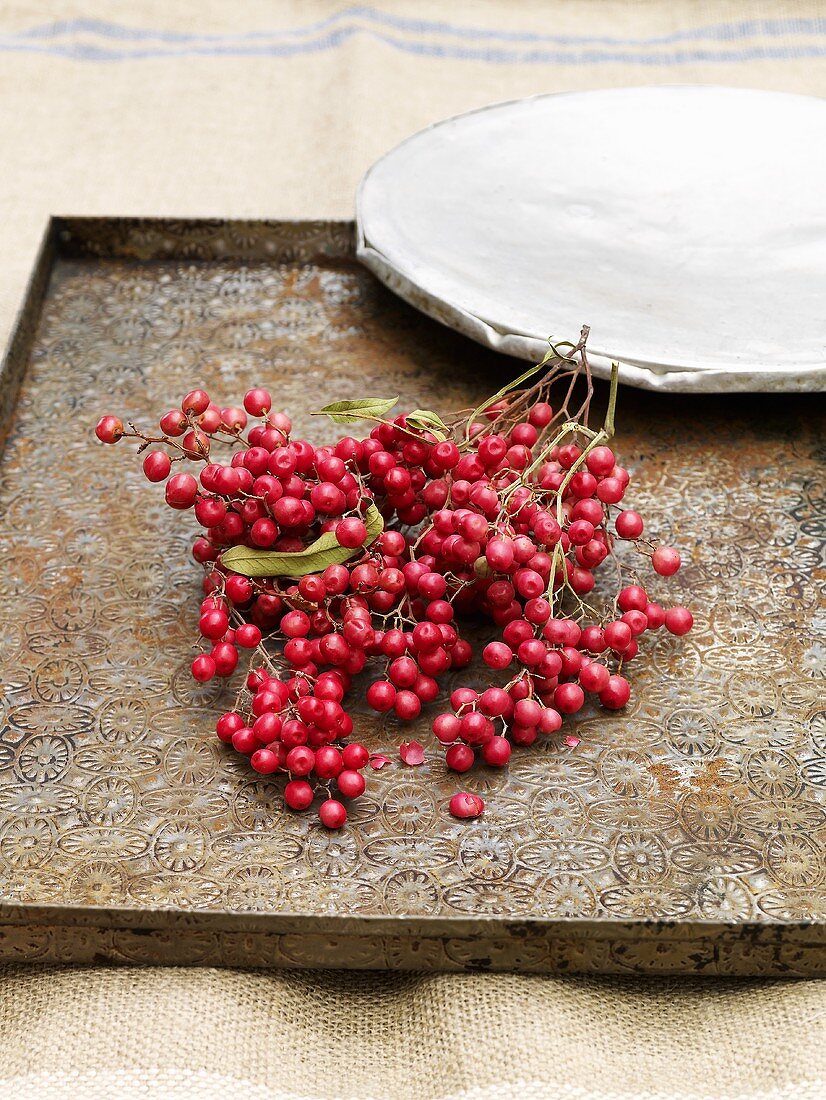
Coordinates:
(378,761)
(428,421)
(412,753)
(251,562)
(348,412)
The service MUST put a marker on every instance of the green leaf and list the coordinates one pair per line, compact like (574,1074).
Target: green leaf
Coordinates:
(428,421)
(325,551)
(363,408)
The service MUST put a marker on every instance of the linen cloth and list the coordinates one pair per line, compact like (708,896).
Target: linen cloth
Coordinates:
(274,109)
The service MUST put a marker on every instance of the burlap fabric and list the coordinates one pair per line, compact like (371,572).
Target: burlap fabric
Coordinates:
(112,1034)
(274,109)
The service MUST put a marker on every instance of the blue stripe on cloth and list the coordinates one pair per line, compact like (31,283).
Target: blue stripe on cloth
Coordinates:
(75,39)
(725,32)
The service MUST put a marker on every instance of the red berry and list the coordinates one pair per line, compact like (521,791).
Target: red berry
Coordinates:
(257,402)
(594,676)
(618,635)
(203,668)
(214,624)
(226,480)
(109,429)
(225,656)
(494,702)
(497,752)
(173,423)
(459,758)
(426,637)
(593,640)
(571,662)
(629,525)
(209,511)
(407,705)
(616,694)
(447,727)
(332,813)
(195,444)
(588,509)
(531,652)
(351,783)
(446,455)
(497,655)
(476,729)
(354,756)
(529,584)
(499,554)
(461,654)
(666,561)
(300,760)
(328,499)
(381,696)
(267,727)
(156,465)
(181,490)
(541,414)
(600,461)
(636,620)
(248,636)
(298,794)
(328,762)
(296,624)
(312,588)
(195,402)
(351,533)
(264,761)
(632,598)
(550,720)
(655,614)
(610,490)
(678,620)
(263,533)
(583,484)
(569,698)
(233,418)
(580,532)
(568,455)
(403,672)
(227,725)
(527,712)
(465,805)
(244,740)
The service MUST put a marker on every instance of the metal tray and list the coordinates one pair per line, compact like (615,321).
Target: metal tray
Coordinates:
(686,835)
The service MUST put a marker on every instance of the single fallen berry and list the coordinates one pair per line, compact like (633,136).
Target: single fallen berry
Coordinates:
(465,805)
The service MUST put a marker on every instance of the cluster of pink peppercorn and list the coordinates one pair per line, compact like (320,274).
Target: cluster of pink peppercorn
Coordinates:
(507,515)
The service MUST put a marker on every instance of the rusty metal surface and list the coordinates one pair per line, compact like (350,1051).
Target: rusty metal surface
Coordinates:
(703,805)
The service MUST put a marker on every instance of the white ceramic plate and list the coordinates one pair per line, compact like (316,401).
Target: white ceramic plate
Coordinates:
(685,225)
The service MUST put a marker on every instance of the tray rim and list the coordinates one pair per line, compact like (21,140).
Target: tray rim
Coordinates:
(354,924)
